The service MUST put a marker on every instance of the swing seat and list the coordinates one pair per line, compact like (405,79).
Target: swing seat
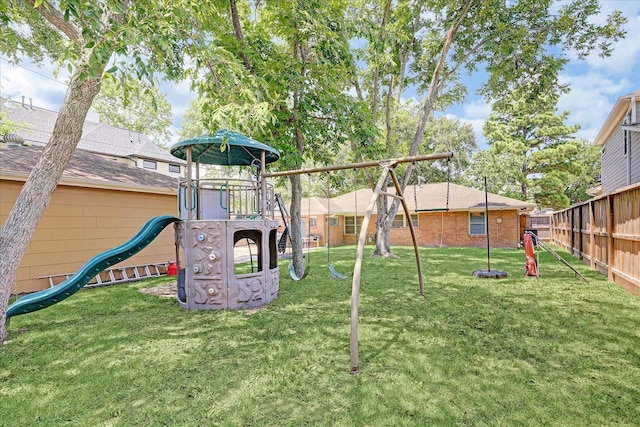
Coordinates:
(294,276)
(333,271)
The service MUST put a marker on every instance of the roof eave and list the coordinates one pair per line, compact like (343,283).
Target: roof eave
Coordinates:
(617,113)
(71,182)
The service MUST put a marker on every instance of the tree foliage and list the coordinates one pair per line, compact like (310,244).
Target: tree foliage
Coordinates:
(528,130)
(427,45)
(135,105)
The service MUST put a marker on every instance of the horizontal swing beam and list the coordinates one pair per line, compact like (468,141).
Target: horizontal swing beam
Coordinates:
(395,196)
(361,165)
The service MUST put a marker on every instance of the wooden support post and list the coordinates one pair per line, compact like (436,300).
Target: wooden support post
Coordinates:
(357,269)
(413,232)
(610,241)
(592,234)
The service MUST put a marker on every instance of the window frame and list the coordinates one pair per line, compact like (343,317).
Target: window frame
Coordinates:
(349,223)
(173,166)
(415,219)
(477,223)
(149,164)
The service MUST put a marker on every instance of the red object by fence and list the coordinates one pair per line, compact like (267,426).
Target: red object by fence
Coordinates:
(531,266)
(172,269)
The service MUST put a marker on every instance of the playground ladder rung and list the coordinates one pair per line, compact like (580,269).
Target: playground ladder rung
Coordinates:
(117,274)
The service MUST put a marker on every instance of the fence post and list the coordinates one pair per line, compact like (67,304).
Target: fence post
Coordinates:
(580,228)
(610,242)
(592,235)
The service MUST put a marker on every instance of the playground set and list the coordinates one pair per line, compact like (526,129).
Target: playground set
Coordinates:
(215,215)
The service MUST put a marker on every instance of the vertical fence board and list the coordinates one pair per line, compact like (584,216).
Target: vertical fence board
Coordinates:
(605,234)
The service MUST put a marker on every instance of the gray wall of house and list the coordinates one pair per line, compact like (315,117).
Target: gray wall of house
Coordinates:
(620,169)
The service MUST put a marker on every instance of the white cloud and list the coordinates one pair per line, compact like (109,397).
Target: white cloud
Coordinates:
(475,113)
(33,81)
(626,52)
(591,99)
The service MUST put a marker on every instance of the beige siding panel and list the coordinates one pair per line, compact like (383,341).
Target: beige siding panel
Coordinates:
(80,223)
(68,222)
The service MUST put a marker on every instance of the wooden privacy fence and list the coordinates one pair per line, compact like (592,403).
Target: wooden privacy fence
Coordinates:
(605,233)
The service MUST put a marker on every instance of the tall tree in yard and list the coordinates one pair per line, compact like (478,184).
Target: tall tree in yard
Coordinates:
(93,38)
(526,127)
(426,45)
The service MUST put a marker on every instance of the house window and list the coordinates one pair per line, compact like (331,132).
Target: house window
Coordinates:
(174,168)
(149,164)
(332,221)
(625,134)
(399,221)
(625,142)
(313,222)
(476,224)
(350,224)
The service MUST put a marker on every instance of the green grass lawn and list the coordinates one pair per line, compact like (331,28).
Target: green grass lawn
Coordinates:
(508,352)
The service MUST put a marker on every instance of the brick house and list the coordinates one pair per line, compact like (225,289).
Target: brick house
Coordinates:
(456,222)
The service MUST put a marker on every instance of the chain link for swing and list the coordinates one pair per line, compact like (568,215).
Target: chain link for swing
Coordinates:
(448,180)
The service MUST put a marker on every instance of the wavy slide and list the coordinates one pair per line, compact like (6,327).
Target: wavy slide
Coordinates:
(45,298)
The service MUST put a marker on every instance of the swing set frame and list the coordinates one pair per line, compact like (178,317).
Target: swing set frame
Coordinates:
(388,170)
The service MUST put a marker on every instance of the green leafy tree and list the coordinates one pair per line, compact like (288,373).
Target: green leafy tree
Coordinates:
(442,134)
(298,51)
(93,39)
(427,45)
(587,176)
(503,172)
(135,105)
(8,126)
(528,129)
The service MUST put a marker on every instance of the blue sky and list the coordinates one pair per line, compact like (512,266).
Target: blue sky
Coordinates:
(596,83)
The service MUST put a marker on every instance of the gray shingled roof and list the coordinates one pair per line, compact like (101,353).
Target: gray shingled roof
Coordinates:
(96,137)
(84,167)
(427,196)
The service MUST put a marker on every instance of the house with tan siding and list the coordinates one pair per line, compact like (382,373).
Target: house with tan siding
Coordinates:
(443,216)
(98,205)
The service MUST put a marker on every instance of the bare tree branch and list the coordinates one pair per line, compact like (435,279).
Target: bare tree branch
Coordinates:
(53,15)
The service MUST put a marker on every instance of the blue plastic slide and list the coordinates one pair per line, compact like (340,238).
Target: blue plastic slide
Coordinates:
(45,298)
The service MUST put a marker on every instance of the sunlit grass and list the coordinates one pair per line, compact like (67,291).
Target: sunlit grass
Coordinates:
(514,351)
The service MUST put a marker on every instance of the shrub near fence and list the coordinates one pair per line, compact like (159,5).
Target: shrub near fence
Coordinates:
(605,233)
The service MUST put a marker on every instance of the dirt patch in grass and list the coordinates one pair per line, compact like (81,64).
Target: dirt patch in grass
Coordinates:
(167,290)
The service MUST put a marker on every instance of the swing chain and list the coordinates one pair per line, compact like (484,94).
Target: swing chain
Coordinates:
(448,180)
(415,196)
(355,184)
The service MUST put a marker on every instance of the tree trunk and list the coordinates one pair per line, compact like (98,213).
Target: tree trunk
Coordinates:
(297,250)
(37,191)
(437,82)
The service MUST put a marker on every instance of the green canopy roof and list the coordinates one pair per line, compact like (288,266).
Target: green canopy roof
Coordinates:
(239,150)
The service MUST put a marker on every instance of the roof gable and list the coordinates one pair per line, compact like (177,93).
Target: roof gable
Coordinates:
(615,117)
